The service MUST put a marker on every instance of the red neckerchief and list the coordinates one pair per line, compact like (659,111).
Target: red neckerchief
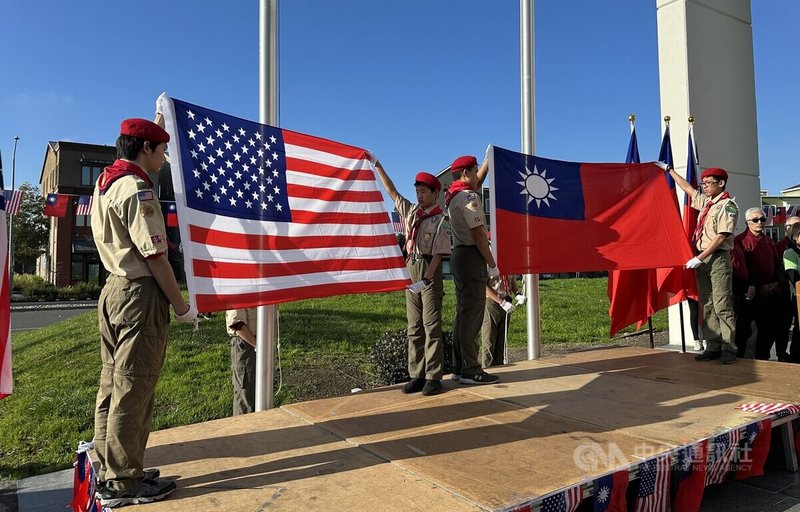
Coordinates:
(698,232)
(506,284)
(119,169)
(455,188)
(420,216)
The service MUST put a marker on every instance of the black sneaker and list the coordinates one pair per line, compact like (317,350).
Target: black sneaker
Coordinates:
(432,387)
(147,492)
(150,474)
(479,378)
(413,386)
(727,357)
(709,356)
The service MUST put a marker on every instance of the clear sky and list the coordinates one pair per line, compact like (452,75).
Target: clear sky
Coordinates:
(419,82)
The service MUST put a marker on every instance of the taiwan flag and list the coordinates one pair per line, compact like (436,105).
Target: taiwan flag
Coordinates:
(56,205)
(609,492)
(172,216)
(554,216)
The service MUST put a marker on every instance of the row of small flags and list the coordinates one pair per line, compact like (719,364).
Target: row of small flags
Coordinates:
(741,452)
(779,214)
(55,205)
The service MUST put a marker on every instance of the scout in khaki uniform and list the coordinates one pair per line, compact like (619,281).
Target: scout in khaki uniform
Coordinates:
(471,257)
(133,313)
(241,327)
(427,241)
(713,241)
(496,317)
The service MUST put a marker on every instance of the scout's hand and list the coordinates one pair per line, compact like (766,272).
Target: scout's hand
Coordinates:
(493,271)
(416,287)
(694,262)
(507,306)
(520,299)
(188,317)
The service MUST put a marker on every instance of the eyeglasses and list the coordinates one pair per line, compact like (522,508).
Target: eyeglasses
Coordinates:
(709,183)
(759,219)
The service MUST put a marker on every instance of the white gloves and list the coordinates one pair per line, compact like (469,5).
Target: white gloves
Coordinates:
(416,287)
(507,306)
(520,299)
(372,158)
(188,317)
(493,271)
(694,262)
(663,166)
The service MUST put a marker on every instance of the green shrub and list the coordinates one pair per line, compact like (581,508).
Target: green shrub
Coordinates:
(389,356)
(80,291)
(35,288)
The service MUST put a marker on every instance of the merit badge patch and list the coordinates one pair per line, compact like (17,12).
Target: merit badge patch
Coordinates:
(158,239)
(472,206)
(146,210)
(731,208)
(146,195)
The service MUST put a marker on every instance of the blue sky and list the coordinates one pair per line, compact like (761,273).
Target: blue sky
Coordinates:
(419,82)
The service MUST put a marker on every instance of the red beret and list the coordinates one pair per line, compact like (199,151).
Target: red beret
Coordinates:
(463,162)
(715,172)
(143,129)
(429,180)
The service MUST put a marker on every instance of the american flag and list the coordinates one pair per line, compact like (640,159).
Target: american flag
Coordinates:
(84,206)
(6,381)
(84,482)
(270,215)
(653,493)
(720,456)
(13,200)
(769,408)
(566,501)
(397,223)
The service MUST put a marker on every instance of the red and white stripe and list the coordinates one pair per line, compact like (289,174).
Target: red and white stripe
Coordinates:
(84,206)
(659,500)
(6,381)
(769,408)
(716,471)
(13,201)
(574,496)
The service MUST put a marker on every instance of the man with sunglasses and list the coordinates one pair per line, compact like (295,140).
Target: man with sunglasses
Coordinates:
(765,293)
(713,242)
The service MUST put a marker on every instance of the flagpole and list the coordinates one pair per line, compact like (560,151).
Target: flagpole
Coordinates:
(527,84)
(266,316)
(11,219)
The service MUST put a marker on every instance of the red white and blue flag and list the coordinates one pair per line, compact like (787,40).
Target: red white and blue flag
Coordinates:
(271,215)
(172,215)
(720,456)
(769,408)
(84,482)
(619,216)
(84,205)
(689,213)
(397,223)
(690,476)
(6,380)
(13,200)
(754,449)
(609,492)
(566,501)
(653,492)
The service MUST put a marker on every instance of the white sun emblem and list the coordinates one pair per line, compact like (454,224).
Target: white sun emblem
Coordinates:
(603,495)
(537,186)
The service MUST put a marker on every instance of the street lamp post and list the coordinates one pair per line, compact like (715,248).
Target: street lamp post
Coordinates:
(11,219)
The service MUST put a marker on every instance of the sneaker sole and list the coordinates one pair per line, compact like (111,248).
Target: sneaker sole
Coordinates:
(138,500)
(472,382)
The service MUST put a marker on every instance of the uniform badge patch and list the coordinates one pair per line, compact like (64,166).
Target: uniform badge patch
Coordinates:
(731,208)
(472,206)
(427,237)
(146,210)
(146,195)
(158,239)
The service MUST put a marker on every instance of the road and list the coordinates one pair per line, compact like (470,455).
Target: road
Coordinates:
(40,315)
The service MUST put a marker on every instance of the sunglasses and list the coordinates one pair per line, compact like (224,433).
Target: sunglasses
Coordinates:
(759,219)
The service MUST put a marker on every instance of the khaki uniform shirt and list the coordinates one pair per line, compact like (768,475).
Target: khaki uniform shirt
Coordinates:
(236,316)
(432,235)
(496,284)
(465,212)
(127,226)
(721,218)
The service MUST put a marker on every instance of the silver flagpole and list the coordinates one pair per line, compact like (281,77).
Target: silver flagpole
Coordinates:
(268,114)
(11,219)
(526,72)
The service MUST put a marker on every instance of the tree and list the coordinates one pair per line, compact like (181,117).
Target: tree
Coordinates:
(31,230)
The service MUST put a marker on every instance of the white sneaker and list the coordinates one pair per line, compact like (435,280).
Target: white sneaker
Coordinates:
(698,345)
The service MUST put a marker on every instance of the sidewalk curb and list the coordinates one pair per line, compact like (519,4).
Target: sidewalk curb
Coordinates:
(36,306)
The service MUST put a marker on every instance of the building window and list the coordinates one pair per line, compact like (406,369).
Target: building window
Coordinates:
(77,268)
(89,175)
(83,221)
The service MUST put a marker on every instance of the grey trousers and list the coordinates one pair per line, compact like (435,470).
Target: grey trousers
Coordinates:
(470,278)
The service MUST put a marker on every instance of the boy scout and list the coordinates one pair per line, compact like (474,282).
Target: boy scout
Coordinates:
(713,243)
(133,313)
(471,256)
(241,327)
(496,317)
(426,243)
